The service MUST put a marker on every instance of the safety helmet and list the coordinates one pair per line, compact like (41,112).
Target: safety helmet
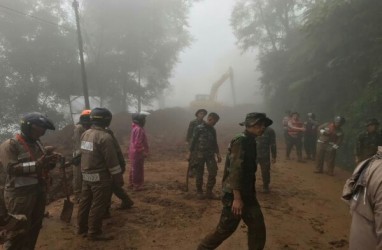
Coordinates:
(339,120)
(372,121)
(85,117)
(139,118)
(100,117)
(201,111)
(311,115)
(37,119)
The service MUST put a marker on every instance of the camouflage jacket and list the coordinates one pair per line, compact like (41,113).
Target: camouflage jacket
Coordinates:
(191,127)
(367,145)
(266,144)
(204,140)
(240,167)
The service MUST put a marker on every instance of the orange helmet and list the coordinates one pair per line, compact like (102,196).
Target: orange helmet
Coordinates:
(85,117)
(86,112)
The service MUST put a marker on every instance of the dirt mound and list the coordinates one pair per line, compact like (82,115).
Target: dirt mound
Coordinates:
(166,131)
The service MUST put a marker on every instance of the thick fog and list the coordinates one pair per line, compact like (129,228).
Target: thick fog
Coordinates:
(211,53)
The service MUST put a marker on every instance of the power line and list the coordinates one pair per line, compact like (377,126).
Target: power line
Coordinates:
(34,17)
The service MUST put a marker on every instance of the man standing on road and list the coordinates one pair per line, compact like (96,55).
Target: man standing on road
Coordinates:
(266,149)
(239,200)
(367,141)
(329,140)
(27,164)
(116,189)
(100,169)
(200,114)
(79,129)
(203,149)
(310,136)
(363,191)
(295,132)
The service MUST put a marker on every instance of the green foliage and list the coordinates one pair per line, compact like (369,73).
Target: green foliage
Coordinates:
(39,65)
(330,64)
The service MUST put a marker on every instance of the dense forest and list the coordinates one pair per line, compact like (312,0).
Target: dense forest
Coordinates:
(317,56)
(130,49)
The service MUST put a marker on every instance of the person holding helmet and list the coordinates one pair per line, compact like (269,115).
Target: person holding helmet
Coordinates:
(26,163)
(100,170)
(79,129)
(138,151)
(367,141)
(239,198)
(329,140)
(199,114)
(310,136)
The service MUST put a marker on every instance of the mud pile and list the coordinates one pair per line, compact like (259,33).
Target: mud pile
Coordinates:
(166,131)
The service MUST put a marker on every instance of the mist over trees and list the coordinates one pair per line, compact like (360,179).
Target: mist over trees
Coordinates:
(126,42)
(317,56)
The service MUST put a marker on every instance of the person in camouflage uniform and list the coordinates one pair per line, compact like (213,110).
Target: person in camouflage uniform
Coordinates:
(239,199)
(27,164)
(199,114)
(118,190)
(310,136)
(203,149)
(266,149)
(329,140)
(368,141)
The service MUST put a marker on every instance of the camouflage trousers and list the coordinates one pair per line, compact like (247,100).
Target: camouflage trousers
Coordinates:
(252,217)
(95,200)
(212,168)
(265,165)
(30,201)
(325,153)
(77,180)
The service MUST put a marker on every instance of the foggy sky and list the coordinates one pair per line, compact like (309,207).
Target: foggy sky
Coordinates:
(209,56)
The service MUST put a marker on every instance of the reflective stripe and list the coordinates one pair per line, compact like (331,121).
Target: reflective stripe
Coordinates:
(115,170)
(87,145)
(25,181)
(29,167)
(90,177)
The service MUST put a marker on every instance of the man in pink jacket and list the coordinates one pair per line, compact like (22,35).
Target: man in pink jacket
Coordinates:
(138,151)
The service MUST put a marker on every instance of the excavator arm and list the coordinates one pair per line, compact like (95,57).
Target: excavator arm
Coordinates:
(215,87)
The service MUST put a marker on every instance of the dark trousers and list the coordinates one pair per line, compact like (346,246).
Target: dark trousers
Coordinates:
(29,201)
(297,142)
(252,217)
(95,199)
(212,169)
(310,143)
(265,165)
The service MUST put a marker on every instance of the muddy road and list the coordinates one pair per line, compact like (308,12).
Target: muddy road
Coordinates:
(302,211)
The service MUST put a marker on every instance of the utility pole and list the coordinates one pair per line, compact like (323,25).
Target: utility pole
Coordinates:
(81,51)
(139,91)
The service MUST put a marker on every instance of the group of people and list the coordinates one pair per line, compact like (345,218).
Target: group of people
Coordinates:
(99,165)
(98,173)
(256,144)
(320,141)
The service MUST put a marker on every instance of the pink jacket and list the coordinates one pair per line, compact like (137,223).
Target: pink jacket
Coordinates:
(138,142)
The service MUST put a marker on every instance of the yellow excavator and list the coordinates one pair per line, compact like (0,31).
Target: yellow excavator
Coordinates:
(210,101)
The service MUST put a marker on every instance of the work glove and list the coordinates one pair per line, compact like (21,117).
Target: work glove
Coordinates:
(335,146)
(47,162)
(118,179)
